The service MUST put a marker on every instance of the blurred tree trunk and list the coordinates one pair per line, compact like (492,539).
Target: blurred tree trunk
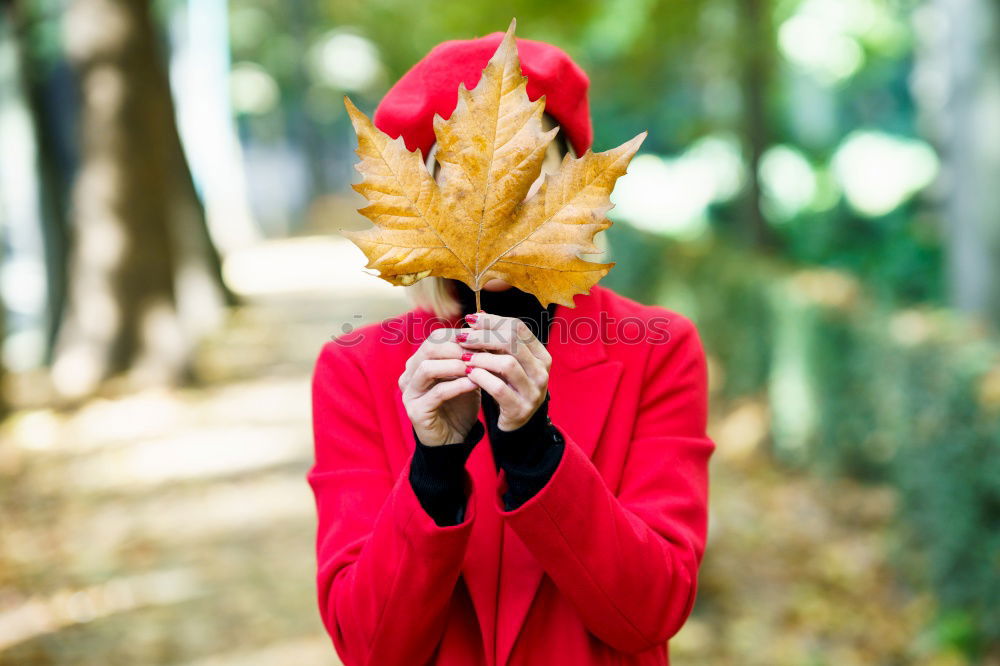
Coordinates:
(50,95)
(49,91)
(6,82)
(757,50)
(144,279)
(958,86)
(308,136)
(19,187)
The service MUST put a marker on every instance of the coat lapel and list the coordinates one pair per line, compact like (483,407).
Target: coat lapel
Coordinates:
(582,383)
(481,566)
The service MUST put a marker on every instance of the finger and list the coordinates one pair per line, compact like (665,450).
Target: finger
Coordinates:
(507,398)
(501,342)
(505,342)
(439,350)
(444,391)
(430,371)
(513,327)
(509,369)
(439,344)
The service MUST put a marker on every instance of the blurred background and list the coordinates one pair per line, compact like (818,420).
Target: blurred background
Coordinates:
(819,191)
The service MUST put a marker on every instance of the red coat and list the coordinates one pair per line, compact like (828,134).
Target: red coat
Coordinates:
(600,567)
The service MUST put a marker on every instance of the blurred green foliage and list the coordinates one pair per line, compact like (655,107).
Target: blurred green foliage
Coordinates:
(909,397)
(676,69)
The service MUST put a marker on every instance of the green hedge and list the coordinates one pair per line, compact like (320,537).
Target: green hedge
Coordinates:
(910,398)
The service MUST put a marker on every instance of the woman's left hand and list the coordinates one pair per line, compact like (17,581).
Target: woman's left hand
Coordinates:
(506,360)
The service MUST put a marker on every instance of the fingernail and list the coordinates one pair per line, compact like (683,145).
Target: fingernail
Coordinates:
(462,337)
(471,318)
(467,356)
(468,369)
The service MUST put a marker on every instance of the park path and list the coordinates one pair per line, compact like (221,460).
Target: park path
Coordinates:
(175,527)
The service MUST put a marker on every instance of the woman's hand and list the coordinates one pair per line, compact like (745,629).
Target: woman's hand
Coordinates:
(441,401)
(508,362)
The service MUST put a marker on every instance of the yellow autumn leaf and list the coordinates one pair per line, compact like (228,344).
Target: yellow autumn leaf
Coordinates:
(475,224)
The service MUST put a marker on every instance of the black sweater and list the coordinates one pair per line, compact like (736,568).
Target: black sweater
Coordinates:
(529,455)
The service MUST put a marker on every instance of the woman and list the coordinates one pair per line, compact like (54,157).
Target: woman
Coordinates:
(528,489)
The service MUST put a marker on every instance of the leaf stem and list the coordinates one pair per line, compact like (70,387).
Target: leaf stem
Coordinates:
(478,306)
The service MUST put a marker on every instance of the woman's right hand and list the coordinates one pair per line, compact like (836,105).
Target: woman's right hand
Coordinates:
(441,401)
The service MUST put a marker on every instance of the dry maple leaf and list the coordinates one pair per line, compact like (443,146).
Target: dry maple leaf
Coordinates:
(476,225)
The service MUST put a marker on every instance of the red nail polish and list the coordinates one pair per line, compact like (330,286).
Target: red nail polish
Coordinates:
(471,318)
(468,369)
(462,337)
(467,356)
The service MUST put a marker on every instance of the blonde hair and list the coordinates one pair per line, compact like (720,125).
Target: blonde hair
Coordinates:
(433,293)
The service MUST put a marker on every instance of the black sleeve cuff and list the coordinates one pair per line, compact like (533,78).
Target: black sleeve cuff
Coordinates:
(437,476)
(529,455)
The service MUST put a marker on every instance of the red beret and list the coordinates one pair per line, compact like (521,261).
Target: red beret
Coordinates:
(431,87)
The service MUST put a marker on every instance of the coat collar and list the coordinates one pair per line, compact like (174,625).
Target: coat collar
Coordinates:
(575,337)
(582,383)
